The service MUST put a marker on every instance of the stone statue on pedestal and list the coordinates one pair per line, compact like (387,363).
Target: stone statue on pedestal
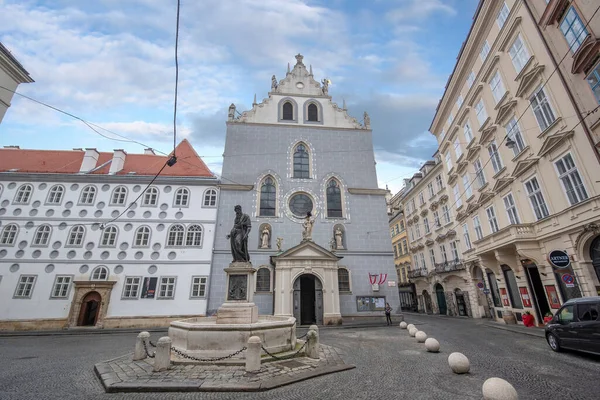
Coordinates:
(367,120)
(338,239)
(325,83)
(279,243)
(264,244)
(274,83)
(239,236)
(308,227)
(231,113)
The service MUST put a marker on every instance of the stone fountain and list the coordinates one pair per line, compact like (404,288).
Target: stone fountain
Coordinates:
(237,319)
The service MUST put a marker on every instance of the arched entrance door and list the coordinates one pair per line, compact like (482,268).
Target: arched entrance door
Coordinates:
(441,298)
(427,299)
(308,300)
(595,255)
(461,305)
(90,307)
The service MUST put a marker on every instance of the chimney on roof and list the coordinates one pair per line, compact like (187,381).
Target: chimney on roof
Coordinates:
(149,151)
(12,147)
(77,149)
(118,161)
(90,158)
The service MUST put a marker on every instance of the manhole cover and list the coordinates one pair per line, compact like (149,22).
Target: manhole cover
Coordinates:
(292,364)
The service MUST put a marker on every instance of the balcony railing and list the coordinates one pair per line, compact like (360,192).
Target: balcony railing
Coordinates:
(449,266)
(417,273)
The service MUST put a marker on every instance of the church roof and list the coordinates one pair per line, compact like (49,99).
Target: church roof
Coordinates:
(307,249)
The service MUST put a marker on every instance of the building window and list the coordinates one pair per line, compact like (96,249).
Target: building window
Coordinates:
(182,197)
(446,214)
(495,157)
(404,246)
(76,236)
(450,119)
(42,235)
(467,185)
(436,219)
(457,197)
(301,162)
(119,195)
(485,50)
(573,29)
(448,158)
(457,148)
(430,189)
(210,198)
(55,194)
(542,110)
(440,182)
(468,132)
(131,287)
(454,249)
(459,101)
(511,209)
(150,197)
(9,235)
(422,258)
(268,198)
(519,54)
(432,257)
(343,280)
(194,236)
(300,204)
(477,227)
(416,261)
(479,174)
(421,198)
(313,113)
(288,111)
(497,87)
(491,214)
(571,180)
(502,15)
(534,192)
(263,280)
(88,194)
(61,287)
(482,115)
(24,288)
(198,286)
(471,79)
(23,194)
(334,199)
(401,226)
(99,274)
(514,133)
(166,290)
(142,236)
(395,251)
(426,225)
(109,236)
(466,236)
(594,81)
(418,230)
(443,253)
(175,237)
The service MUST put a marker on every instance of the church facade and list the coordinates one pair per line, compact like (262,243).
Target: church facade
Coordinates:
(294,153)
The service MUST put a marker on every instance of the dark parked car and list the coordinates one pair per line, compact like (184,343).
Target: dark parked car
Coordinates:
(576,326)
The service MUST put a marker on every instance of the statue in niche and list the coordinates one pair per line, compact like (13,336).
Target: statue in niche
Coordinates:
(239,236)
(279,243)
(325,83)
(338,238)
(264,238)
(367,120)
(308,227)
(231,114)
(274,84)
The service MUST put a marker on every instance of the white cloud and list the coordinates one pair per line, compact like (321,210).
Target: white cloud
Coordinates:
(419,9)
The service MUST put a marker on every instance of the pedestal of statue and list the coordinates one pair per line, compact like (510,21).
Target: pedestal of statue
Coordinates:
(239,307)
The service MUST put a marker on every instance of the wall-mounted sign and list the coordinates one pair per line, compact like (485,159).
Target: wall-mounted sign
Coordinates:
(391,283)
(149,288)
(568,279)
(552,296)
(504,296)
(480,285)
(559,259)
(525,296)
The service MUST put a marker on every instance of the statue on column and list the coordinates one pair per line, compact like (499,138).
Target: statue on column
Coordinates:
(239,236)
(308,227)
(265,234)
(274,84)
(231,114)
(338,239)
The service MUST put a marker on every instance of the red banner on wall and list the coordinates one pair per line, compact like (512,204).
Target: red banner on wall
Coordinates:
(504,296)
(525,296)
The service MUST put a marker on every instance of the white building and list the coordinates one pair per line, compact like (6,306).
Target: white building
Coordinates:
(72,253)
(12,74)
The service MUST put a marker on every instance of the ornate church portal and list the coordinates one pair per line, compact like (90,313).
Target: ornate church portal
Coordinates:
(306,285)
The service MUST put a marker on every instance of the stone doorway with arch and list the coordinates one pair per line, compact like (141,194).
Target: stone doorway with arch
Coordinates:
(308,300)
(90,307)
(481,287)
(90,303)
(441,298)
(427,301)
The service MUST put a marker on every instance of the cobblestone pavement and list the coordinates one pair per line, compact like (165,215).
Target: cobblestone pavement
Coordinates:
(389,365)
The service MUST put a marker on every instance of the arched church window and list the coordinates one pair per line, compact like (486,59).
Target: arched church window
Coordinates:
(313,112)
(263,280)
(301,162)
(343,280)
(334,199)
(268,198)
(288,111)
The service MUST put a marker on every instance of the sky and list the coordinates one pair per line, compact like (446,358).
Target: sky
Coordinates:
(111,62)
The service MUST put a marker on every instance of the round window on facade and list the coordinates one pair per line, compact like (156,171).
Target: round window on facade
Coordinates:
(300,204)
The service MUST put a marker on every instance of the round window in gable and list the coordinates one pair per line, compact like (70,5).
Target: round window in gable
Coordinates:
(300,204)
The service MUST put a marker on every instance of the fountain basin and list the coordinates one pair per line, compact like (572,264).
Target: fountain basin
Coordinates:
(203,337)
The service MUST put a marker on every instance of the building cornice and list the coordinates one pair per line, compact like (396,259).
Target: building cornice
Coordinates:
(13,67)
(103,178)
(364,191)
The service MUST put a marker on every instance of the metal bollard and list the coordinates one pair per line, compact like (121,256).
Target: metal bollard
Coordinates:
(162,359)
(312,345)
(253,354)
(140,353)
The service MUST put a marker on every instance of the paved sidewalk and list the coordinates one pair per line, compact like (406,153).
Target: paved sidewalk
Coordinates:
(124,375)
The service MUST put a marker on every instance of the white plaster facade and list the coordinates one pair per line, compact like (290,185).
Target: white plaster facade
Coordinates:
(12,74)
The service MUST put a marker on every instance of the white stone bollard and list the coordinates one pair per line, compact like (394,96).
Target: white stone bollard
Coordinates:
(421,336)
(403,325)
(139,353)
(312,345)
(253,354)
(413,331)
(162,357)
(459,363)
(409,326)
(498,389)
(432,345)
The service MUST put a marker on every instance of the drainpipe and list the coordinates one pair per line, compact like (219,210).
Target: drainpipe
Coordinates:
(564,82)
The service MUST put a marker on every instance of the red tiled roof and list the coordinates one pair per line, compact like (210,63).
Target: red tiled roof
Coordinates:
(69,162)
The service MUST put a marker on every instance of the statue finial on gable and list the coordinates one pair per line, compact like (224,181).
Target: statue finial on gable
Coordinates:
(288,71)
(299,58)
(274,83)
(310,73)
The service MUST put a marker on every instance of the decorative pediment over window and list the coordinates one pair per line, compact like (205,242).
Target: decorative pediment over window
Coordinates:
(509,37)
(485,196)
(443,198)
(420,246)
(505,111)
(502,183)
(433,206)
(429,242)
(475,93)
(487,134)
(452,178)
(491,67)
(415,219)
(473,151)
(586,55)
(461,215)
(523,165)
(552,141)
(414,249)
(424,212)
(409,222)
(554,11)
(451,233)
(472,207)
(439,238)
(460,167)
(464,114)
(529,79)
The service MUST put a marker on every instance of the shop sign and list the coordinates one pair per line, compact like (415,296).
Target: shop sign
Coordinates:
(525,296)
(504,296)
(559,259)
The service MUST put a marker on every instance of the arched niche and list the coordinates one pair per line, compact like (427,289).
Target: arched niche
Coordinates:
(265,233)
(339,237)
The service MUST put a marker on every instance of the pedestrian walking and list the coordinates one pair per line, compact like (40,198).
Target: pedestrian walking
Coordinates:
(388,313)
